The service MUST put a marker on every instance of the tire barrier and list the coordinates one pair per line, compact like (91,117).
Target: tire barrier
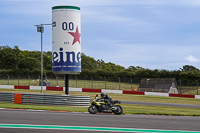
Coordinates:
(44,99)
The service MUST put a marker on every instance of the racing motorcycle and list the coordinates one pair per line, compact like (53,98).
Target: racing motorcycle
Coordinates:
(100,105)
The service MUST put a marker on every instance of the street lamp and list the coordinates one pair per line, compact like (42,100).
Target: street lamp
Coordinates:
(40,29)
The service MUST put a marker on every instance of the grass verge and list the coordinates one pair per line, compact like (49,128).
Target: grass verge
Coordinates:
(124,97)
(128,108)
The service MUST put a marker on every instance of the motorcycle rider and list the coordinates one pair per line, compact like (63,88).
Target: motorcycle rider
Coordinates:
(107,99)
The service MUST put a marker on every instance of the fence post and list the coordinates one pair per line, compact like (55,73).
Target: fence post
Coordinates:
(46,77)
(64,81)
(119,82)
(91,82)
(29,79)
(18,79)
(105,82)
(147,84)
(57,80)
(163,85)
(180,85)
(197,87)
(76,81)
(131,83)
(8,79)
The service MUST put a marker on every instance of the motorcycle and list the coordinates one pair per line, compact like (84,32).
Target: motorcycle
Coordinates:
(100,105)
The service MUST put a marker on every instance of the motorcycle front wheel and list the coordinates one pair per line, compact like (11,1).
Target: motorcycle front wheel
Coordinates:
(92,109)
(118,111)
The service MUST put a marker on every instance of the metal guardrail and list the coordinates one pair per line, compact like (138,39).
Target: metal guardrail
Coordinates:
(45,99)
(8,97)
(56,99)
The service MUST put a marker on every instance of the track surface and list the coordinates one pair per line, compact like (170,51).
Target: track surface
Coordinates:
(158,104)
(98,120)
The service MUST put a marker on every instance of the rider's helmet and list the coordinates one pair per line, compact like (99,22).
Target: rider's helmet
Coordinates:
(103,95)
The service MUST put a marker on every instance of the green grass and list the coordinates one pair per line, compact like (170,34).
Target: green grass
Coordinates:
(72,83)
(42,107)
(160,110)
(125,97)
(128,108)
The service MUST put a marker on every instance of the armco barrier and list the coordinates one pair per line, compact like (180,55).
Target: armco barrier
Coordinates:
(44,99)
(56,99)
(7,97)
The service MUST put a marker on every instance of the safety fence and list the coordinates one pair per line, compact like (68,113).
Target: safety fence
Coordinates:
(45,99)
(7,97)
(129,84)
(74,81)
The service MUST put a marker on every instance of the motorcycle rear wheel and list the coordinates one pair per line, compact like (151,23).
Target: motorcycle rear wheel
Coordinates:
(92,109)
(118,111)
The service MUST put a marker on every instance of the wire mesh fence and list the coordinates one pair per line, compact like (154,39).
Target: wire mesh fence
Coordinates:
(75,81)
(146,84)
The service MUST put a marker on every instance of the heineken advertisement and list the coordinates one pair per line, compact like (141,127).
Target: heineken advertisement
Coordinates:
(66,40)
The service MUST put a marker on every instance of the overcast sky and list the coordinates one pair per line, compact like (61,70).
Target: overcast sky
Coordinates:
(154,34)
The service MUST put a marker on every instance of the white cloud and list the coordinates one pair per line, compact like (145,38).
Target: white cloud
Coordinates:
(191,58)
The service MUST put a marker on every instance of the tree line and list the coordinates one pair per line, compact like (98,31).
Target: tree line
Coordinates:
(14,61)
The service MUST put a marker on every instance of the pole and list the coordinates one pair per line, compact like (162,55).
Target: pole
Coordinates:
(57,80)
(180,85)
(119,82)
(66,84)
(131,83)
(76,81)
(163,85)
(8,79)
(91,82)
(197,87)
(41,64)
(40,29)
(147,84)
(29,79)
(105,82)
(18,79)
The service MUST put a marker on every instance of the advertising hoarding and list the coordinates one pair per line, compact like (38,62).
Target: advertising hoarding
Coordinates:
(66,40)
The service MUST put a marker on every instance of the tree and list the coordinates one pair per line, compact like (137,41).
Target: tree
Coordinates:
(88,62)
(47,60)
(9,57)
(29,63)
(189,68)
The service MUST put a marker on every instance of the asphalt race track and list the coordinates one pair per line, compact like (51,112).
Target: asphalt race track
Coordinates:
(73,122)
(158,104)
